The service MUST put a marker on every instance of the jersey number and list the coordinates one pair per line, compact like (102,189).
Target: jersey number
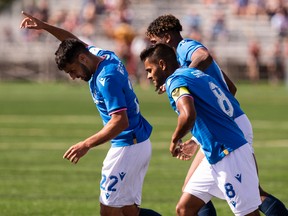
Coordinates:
(229,190)
(111,186)
(222,100)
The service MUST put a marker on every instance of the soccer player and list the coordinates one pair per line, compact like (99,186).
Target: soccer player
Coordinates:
(228,170)
(126,162)
(191,53)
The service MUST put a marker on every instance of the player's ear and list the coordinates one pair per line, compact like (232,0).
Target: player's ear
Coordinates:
(162,64)
(167,38)
(82,58)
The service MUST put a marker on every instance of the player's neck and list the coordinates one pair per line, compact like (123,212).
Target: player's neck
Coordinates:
(176,40)
(96,61)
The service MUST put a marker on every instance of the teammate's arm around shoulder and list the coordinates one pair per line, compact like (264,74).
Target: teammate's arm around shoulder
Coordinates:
(31,22)
(201,59)
(231,86)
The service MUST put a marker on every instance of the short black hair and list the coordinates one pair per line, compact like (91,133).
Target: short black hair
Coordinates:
(163,24)
(68,51)
(159,51)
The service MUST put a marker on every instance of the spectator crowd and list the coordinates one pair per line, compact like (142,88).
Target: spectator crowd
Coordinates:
(113,19)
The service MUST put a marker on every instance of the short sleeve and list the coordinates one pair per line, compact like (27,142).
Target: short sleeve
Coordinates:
(112,92)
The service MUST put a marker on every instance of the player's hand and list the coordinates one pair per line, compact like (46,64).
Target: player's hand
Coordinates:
(176,150)
(181,155)
(189,148)
(162,89)
(31,22)
(185,151)
(75,152)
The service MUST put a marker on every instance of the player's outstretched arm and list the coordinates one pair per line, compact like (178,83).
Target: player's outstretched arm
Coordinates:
(31,22)
(118,122)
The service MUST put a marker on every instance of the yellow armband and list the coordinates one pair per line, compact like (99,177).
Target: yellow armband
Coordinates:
(178,92)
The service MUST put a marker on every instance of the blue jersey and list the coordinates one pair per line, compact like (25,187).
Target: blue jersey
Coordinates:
(112,91)
(214,127)
(185,50)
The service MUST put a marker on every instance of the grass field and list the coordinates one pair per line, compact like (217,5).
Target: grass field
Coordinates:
(38,122)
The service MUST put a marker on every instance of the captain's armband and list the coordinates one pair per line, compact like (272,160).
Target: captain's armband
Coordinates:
(179,92)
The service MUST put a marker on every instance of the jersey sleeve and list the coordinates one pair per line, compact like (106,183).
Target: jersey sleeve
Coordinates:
(176,88)
(113,94)
(179,92)
(186,50)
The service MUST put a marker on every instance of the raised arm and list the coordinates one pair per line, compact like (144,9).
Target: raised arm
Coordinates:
(31,22)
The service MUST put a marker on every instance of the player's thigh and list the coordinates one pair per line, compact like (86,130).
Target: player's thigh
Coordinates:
(202,183)
(196,161)
(132,210)
(109,211)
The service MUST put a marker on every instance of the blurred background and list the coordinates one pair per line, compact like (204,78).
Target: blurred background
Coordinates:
(247,37)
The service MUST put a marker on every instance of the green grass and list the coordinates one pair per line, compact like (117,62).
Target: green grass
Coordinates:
(38,122)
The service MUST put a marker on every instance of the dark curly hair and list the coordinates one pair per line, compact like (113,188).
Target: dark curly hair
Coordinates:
(68,51)
(163,24)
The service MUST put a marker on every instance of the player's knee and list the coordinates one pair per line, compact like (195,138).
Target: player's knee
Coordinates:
(178,208)
(182,210)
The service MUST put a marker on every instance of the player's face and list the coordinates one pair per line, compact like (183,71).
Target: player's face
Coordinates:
(155,39)
(155,73)
(78,71)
